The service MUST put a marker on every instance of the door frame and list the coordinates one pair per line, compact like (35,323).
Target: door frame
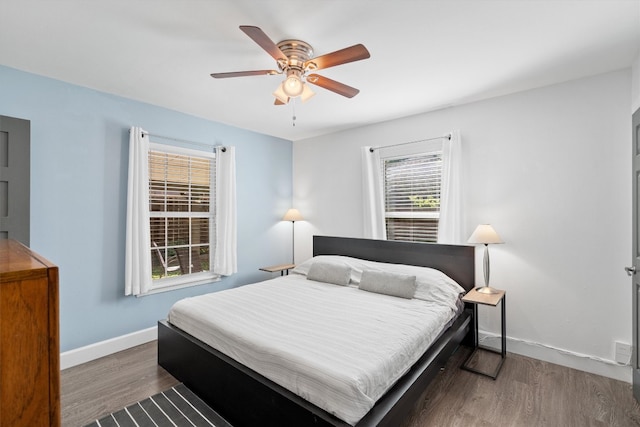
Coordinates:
(15,179)
(635,298)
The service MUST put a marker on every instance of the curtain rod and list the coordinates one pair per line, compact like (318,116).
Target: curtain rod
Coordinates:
(447,136)
(186,141)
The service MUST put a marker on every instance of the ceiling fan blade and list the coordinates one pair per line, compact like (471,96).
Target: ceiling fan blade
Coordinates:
(258,36)
(332,85)
(244,73)
(349,54)
(278,102)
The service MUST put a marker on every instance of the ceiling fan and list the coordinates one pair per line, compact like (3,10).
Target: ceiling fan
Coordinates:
(295,60)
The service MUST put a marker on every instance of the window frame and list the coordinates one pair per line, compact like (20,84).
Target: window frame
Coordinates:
(415,150)
(191,279)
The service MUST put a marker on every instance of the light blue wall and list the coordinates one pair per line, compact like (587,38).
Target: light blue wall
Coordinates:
(79,155)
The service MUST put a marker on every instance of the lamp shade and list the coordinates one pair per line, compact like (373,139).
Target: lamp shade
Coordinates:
(279,93)
(306,93)
(485,234)
(292,215)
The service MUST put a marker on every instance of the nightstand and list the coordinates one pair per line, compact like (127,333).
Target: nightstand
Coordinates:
(475,298)
(281,268)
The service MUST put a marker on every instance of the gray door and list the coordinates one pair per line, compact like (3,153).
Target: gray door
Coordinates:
(633,270)
(15,142)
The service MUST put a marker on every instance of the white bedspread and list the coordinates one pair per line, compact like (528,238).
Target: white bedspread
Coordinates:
(338,347)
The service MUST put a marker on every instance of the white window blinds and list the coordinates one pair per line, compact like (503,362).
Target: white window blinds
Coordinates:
(412,196)
(181,210)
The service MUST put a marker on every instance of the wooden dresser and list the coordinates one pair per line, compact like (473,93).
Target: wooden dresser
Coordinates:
(29,338)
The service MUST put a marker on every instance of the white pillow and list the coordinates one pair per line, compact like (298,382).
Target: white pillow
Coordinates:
(431,284)
(303,268)
(394,284)
(326,272)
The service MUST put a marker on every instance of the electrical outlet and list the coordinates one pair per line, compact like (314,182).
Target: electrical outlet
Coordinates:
(623,353)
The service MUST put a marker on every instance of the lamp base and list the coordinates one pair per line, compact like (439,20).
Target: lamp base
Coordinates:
(487,290)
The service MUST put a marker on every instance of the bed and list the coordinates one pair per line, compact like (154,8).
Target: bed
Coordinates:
(246,398)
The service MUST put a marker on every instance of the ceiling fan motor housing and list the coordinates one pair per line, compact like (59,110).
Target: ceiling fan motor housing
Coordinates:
(297,52)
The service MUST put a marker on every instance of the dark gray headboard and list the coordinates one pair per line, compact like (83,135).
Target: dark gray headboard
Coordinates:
(457,262)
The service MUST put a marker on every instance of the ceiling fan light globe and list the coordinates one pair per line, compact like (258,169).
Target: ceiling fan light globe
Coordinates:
(293,86)
(307,93)
(280,94)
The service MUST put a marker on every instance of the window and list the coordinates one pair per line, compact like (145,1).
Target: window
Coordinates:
(412,196)
(181,210)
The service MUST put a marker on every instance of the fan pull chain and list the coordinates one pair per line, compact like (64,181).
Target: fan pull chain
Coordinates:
(293,108)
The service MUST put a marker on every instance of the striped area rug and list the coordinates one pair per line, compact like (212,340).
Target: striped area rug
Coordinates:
(176,407)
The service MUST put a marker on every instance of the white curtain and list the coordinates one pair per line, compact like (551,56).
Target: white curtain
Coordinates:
(138,254)
(450,223)
(226,252)
(372,195)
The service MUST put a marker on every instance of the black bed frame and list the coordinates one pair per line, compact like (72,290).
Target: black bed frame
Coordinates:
(247,399)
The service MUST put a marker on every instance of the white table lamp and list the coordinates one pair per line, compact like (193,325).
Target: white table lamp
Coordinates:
(485,234)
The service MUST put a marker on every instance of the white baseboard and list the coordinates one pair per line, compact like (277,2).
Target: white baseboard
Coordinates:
(586,363)
(95,351)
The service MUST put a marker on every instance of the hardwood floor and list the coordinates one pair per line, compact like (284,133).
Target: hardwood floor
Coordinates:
(102,386)
(528,392)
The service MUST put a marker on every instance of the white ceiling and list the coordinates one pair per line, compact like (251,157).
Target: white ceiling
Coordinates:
(425,54)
